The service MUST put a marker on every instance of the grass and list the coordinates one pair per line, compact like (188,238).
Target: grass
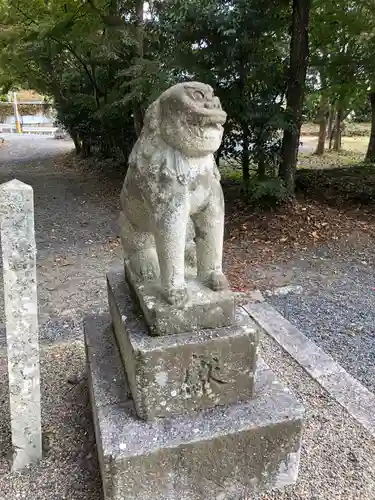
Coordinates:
(352,186)
(355,143)
(231,171)
(336,177)
(350,129)
(330,159)
(353,152)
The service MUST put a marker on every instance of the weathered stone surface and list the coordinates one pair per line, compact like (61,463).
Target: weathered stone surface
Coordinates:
(175,374)
(172,192)
(227,453)
(21,316)
(112,387)
(203,309)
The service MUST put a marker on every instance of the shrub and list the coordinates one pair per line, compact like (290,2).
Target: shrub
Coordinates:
(267,193)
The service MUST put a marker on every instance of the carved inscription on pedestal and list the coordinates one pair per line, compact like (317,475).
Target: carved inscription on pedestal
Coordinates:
(203,376)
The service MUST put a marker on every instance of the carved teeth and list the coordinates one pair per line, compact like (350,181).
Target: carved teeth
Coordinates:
(213,119)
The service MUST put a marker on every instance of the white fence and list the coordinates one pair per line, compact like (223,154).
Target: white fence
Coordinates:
(27,129)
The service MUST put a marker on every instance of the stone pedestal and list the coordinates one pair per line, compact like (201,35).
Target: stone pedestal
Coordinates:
(182,373)
(230,452)
(186,416)
(204,309)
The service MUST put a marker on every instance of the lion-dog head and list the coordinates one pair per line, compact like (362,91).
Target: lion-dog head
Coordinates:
(187,117)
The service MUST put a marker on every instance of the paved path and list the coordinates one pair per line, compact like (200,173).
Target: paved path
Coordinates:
(308,144)
(20,149)
(75,220)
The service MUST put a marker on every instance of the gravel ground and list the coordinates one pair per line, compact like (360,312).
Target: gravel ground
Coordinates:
(338,455)
(75,222)
(333,302)
(69,469)
(76,226)
(337,462)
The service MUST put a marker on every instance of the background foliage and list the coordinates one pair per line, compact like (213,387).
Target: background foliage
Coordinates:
(103,61)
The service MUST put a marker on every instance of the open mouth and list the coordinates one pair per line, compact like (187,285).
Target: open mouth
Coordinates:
(215,119)
(209,131)
(214,127)
(207,126)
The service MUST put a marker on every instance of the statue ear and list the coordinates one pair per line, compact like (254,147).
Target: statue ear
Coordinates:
(152,117)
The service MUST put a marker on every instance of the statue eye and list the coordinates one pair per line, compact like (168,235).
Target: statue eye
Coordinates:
(199,95)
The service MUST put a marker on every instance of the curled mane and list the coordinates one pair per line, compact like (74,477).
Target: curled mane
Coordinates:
(149,140)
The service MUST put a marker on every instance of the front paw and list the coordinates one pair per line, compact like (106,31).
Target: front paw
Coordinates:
(215,280)
(177,296)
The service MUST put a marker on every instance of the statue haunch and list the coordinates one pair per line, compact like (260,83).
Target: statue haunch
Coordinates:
(172,192)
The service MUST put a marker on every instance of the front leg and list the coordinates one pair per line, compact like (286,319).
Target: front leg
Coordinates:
(170,238)
(209,229)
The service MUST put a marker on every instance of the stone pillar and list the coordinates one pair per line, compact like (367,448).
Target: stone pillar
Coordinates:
(21,316)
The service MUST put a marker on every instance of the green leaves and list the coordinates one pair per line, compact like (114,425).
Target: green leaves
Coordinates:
(100,58)
(61,29)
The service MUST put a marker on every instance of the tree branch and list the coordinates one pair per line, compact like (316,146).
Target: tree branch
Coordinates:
(65,44)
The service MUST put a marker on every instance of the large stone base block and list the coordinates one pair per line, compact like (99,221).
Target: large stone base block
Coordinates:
(182,373)
(204,309)
(228,453)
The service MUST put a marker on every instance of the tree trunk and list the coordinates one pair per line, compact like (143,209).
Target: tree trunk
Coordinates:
(370,155)
(262,169)
(105,149)
(77,142)
(137,117)
(331,118)
(137,108)
(323,111)
(333,132)
(218,155)
(299,55)
(245,155)
(86,149)
(337,128)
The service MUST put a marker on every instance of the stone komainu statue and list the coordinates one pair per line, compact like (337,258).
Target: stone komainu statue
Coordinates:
(172,194)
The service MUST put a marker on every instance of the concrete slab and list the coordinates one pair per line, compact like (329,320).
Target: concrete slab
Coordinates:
(357,400)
